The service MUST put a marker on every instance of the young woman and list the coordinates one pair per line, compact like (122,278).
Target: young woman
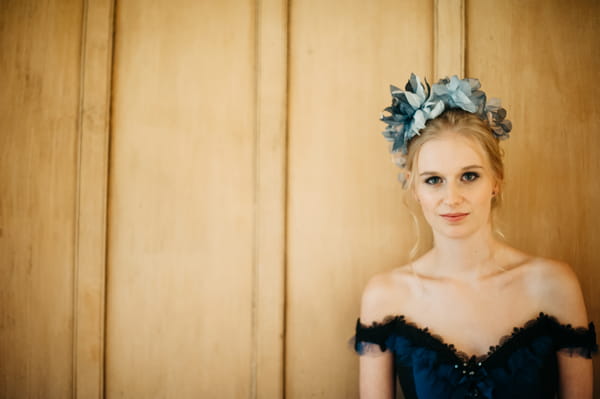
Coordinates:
(472,317)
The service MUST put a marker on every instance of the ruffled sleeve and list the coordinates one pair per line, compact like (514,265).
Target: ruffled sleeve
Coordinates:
(579,341)
(372,338)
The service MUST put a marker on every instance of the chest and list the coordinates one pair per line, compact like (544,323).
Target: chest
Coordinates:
(472,318)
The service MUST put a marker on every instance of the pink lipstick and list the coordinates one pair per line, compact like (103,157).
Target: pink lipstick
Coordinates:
(454,217)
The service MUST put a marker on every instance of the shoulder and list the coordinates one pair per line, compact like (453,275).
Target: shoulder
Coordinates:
(384,294)
(555,287)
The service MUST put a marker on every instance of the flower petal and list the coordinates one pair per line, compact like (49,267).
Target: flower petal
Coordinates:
(412,107)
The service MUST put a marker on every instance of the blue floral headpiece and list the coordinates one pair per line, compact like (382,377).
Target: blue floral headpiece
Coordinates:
(412,107)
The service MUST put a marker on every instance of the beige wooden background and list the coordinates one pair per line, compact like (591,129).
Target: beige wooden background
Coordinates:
(193,193)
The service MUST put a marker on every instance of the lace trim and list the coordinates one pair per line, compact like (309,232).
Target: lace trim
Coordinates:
(579,341)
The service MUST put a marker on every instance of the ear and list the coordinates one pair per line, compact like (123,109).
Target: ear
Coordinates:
(496,189)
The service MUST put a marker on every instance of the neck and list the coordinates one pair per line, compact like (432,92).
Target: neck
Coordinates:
(467,258)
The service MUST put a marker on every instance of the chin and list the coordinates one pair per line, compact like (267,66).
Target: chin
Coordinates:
(457,231)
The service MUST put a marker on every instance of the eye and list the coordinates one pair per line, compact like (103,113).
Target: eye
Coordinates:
(470,176)
(433,180)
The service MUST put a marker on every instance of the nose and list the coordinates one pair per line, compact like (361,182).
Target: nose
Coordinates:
(453,195)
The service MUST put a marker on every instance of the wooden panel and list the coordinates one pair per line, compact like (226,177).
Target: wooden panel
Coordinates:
(39,102)
(181,206)
(542,58)
(271,111)
(346,220)
(448,38)
(90,251)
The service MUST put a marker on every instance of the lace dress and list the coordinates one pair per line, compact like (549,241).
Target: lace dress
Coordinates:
(522,365)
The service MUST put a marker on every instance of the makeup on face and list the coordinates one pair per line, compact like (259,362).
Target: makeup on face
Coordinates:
(454,217)
(454,186)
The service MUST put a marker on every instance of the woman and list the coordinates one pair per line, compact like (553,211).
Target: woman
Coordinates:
(472,317)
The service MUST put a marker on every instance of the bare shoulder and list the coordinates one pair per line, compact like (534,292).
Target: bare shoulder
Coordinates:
(384,295)
(556,288)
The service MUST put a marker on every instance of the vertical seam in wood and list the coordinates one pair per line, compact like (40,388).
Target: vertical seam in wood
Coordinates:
(433,39)
(441,18)
(286,196)
(463,70)
(109,108)
(76,241)
(256,188)
(435,54)
(465,38)
(89,161)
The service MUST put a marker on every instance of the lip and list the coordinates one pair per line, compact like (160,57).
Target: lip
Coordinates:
(454,217)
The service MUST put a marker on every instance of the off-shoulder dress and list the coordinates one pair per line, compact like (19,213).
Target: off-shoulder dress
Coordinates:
(524,364)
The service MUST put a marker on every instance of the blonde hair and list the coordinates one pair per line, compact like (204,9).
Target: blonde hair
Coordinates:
(467,125)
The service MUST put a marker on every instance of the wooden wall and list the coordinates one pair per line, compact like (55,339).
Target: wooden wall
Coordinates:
(195,241)
(220,247)
(179,309)
(38,180)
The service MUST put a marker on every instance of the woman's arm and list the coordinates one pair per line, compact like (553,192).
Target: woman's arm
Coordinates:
(377,376)
(376,369)
(563,299)
(575,377)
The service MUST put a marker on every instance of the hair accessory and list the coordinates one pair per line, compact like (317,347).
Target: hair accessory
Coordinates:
(412,107)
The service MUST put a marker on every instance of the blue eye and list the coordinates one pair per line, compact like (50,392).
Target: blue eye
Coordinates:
(433,180)
(470,176)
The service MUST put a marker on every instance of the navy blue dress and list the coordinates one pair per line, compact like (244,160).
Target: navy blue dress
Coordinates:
(523,365)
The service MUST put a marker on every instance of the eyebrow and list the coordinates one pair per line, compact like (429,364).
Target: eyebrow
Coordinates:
(465,168)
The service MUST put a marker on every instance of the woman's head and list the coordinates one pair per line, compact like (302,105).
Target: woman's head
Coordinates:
(452,129)
(455,173)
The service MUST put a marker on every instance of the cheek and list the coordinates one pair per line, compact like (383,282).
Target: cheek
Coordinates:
(428,201)
(483,199)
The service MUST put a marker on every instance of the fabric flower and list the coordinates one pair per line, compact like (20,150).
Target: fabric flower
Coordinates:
(410,109)
(495,115)
(463,94)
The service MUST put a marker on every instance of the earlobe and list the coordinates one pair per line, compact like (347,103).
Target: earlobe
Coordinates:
(495,190)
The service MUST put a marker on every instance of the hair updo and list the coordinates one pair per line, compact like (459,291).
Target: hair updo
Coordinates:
(467,125)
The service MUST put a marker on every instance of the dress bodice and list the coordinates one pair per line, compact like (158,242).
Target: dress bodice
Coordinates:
(522,365)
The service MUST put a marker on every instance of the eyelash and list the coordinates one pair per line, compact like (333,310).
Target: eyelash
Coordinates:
(430,181)
(474,176)
(466,177)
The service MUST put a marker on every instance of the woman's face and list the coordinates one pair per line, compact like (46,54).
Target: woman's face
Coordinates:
(454,185)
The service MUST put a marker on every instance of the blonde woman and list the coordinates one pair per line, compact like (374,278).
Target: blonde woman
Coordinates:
(472,317)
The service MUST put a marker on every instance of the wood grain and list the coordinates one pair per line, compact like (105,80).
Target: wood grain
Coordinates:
(270,158)
(39,102)
(92,181)
(448,38)
(182,201)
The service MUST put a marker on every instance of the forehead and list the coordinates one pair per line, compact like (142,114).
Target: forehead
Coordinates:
(450,152)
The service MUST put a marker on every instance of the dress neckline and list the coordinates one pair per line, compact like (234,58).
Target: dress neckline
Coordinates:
(517,332)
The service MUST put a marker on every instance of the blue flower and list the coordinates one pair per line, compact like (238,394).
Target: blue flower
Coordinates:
(495,115)
(463,94)
(410,109)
